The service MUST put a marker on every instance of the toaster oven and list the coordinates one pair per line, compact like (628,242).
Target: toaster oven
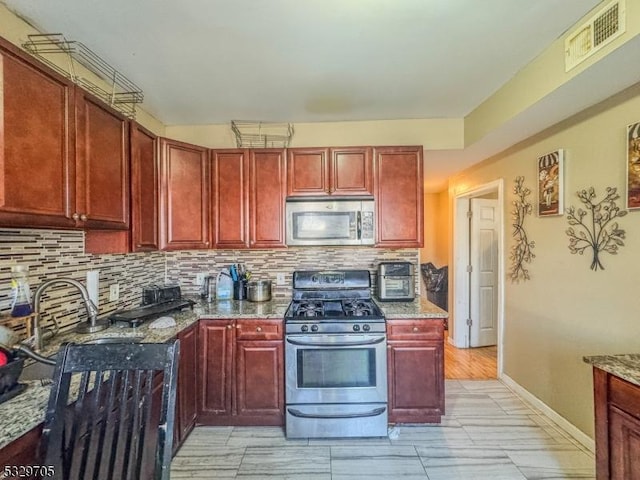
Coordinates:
(395,282)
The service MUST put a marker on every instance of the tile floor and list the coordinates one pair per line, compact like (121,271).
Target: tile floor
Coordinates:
(488,433)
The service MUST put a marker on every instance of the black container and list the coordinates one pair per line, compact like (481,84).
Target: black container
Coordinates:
(10,372)
(239,290)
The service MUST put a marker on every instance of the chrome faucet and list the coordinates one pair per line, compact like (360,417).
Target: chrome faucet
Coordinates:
(91,325)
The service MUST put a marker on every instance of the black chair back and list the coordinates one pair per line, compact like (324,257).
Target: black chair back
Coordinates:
(111,411)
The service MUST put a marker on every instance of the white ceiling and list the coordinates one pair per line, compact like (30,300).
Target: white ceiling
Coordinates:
(211,61)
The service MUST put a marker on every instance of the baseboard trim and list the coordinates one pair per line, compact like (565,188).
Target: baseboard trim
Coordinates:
(584,439)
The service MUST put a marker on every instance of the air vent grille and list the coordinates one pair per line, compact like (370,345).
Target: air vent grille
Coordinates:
(598,31)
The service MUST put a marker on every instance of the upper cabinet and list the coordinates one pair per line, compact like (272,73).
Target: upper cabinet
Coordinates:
(102,154)
(230,189)
(37,144)
(64,155)
(248,198)
(267,191)
(144,189)
(398,190)
(184,196)
(329,171)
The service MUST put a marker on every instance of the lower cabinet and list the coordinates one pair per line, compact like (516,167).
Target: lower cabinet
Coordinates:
(241,372)
(415,363)
(186,402)
(617,411)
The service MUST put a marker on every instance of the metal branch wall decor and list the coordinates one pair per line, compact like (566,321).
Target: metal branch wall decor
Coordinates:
(596,229)
(521,252)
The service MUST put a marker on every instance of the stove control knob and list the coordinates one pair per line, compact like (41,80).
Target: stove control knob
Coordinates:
(366,327)
(356,328)
(314,328)
(304,328)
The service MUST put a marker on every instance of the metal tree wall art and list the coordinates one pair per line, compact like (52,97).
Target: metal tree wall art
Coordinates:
(520,252)
(595,227)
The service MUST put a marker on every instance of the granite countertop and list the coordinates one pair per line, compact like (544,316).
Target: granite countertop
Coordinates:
(419,308)
(625,366)
(26,411)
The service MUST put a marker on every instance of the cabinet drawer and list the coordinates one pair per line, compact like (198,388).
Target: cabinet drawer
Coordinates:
(625,395)
(415,329)
(259,329)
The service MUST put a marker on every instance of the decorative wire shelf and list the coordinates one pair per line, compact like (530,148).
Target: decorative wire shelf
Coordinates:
(122,94)
(262,134)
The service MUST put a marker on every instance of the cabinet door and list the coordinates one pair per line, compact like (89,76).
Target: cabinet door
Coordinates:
(230,181)
(187,404)
(102,175)
(144,189)
(267,187)
(398,189)
(215,370)
(351,171)
(37,152)
(184,196)
(308,171)
(416,381)
(259,382)
(624,441)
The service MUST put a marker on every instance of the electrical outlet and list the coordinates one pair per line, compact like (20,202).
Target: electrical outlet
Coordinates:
(280,278)
(114,292)
(200,278)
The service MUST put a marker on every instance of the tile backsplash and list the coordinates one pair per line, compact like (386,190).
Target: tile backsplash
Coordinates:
(60,253)
(182,266)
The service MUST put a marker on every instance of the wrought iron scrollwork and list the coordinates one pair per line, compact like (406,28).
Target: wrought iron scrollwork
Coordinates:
(521,252)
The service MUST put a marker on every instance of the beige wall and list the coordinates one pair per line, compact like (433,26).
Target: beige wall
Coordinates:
(566,310)
(436,229)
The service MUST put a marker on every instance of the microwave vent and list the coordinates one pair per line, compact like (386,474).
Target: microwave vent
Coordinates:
(597,32)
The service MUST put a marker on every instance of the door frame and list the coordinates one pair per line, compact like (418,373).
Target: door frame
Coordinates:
(458,329)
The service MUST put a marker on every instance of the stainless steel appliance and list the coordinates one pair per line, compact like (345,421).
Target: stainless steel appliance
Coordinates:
(330,222)
(335,357)
(395,282)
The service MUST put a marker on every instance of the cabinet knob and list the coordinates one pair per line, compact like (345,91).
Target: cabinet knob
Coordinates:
(75,216)
(229,326)
(83,217)
(138,245)
(415,329)
(258,329)
(206,244)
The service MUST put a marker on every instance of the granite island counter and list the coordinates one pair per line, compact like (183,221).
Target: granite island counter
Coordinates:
(616,381)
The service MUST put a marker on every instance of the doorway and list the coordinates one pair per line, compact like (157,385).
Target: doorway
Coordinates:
(477,312)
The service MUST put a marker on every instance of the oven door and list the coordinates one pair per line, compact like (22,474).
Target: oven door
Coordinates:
(336,368)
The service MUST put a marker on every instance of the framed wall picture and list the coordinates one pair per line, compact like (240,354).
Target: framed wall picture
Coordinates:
(633,166)
(551,184)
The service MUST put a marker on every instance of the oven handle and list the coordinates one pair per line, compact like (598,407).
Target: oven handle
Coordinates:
(372,413)
(373,341)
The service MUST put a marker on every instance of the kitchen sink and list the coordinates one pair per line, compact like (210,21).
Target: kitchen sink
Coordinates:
(102,340)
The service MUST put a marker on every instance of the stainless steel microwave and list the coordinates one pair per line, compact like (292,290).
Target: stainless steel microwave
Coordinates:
(330,222)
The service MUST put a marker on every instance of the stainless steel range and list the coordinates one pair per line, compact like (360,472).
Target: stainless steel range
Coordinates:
(335,357)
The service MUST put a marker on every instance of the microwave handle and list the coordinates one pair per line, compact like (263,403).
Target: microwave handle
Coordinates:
(359,224)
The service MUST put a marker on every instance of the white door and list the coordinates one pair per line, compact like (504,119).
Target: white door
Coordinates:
(483,288)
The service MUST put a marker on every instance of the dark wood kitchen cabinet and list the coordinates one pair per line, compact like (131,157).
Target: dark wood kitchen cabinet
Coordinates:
(230,198)
(144,189)
(248,198)
(267,192)
(184,196)
(415,364)
(65,159)
(617,416)
(240,372)
(186,401)
(398,191)
(102,174)
(339,171)
(37,151)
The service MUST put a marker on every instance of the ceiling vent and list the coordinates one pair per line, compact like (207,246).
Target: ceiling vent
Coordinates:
(608,23)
